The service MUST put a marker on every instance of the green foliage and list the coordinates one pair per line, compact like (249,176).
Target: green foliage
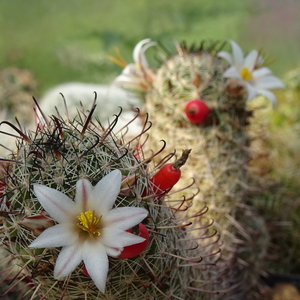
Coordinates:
(70,40)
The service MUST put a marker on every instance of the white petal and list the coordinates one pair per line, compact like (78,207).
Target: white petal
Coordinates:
(114,252)
(238,56)
(120,78)
(56,236)
(124,217)
(138,50)
(83,192)
(268,82)
(142,59)
(68,259)
(227,56)
(96,263)
(250,60)
(59,206)
(117,238)
(232,72)
(134,83)
(268,95)
(129,69)
(109,237)
(252,92)
(105,192)
(128,74)
(261,72)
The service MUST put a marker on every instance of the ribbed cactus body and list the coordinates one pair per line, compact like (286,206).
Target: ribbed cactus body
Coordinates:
(219,159)
(59,153)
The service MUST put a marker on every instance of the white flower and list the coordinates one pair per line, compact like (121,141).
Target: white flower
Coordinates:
(89,229)
(137,75)
(257,79)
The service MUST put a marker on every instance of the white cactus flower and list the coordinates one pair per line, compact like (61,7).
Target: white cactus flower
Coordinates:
(88,229)
(137,75)
(257,79)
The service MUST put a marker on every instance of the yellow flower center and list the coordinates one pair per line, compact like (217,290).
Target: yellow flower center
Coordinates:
(89,222)
(246,74)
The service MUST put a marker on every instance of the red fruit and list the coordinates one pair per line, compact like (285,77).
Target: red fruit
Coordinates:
(136,249)
(196,111)
(165,179)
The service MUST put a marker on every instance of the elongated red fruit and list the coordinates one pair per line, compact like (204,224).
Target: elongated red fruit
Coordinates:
(196,111)
(165,179)
(136,249)
(168,175)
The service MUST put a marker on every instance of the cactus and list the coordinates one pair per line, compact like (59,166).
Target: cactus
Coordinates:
(16,89)
(57,155)
(220,144)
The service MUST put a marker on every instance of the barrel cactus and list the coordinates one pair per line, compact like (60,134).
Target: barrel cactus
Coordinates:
(76,185)
(197,98)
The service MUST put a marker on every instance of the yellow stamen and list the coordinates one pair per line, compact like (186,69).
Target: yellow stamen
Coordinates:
(89,222)
(246,74)
(118,60)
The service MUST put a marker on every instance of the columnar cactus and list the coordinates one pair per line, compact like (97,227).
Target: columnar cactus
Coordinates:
(45,181)
(16,89)
(196,100)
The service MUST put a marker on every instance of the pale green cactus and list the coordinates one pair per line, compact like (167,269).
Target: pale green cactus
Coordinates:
(221,147)
(57,155)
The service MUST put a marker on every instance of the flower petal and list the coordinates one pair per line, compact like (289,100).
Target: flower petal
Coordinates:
(252,92)
(232,72)
(261,72)
(268,82)
(238,56)
(130,70)
(105,192)
(139,50)
(129,73)
(250,60)
(142,59)
(56,236)
(58,205)
(268,95)
(227,56)
(114,252)
(68,259)
(96,262)
(83,192)
(116,238)
(124,217)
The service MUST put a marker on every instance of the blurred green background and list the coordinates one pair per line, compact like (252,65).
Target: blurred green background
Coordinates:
(70,40)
